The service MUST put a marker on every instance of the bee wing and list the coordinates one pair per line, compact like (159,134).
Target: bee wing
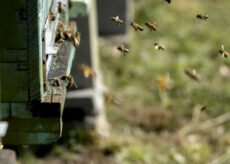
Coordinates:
(75,84)
(222,47)
(194,72)
(78,36)
(126,50)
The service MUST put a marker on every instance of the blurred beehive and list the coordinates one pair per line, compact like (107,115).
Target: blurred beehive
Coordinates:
(86,101)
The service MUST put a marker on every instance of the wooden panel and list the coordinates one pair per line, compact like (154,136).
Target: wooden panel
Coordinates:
(46,110)
(35,9)
(14,83)
(63,62)
(30,138)
(13,24)
(35,125)
(20,110)
(5,110)
(16,38)
(13,56)
(33,131)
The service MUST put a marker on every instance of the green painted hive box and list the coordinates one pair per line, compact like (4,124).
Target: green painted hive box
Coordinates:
(29,58)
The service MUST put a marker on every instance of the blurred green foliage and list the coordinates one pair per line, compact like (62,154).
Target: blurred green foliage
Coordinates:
(190,43)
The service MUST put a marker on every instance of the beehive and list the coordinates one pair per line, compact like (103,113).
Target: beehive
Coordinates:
(32,107)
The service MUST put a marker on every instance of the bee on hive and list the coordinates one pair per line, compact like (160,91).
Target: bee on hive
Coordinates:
(192,74)
(159,46)
(223,52)
(117,20)
(69,80)
(60,32)
(123,49)
(55,81)
(67,34)
(86,70)
(52,15)
(61,7)
(202,17)
(136,26)
(151,26)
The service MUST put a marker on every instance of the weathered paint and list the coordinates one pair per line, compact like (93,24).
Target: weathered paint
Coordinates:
(13,54)
(14,83)
(63,62)
(5,110)
(20,110)
(72,56)
(35,125)
(31,138)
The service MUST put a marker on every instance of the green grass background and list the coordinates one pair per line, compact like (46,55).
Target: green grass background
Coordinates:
(190,43)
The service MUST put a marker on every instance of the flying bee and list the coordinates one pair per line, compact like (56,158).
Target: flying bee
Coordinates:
(52,15)
(112,98)
(117,20)
(76,39)
(86,70)
(136,26)
(159,46)
(123,49)
(69,80)
(151,26)
(202,17)
(203,108)
(192,74)
(169,1)
(223,52)
(61,7)
(163,82)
